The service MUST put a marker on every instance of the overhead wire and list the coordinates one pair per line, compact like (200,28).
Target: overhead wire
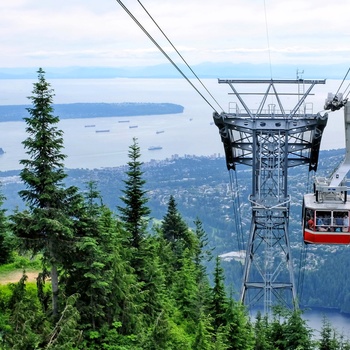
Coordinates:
(173,46)
(342,82)
(163,52)
(301,274)
(268,39)
(237,211)
(346,96)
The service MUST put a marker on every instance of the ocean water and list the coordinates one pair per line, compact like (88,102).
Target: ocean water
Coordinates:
(189,133)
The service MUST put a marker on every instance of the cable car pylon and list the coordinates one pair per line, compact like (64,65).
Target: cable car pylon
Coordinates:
(270,139)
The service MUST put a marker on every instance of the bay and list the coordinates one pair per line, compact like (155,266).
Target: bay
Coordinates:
(339,321)
(189,133)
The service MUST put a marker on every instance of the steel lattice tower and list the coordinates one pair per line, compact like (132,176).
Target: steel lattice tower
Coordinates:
(270,140)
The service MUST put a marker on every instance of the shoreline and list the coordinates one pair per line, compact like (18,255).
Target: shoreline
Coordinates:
(85,110)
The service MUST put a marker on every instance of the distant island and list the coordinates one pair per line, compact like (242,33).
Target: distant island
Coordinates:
(93,110)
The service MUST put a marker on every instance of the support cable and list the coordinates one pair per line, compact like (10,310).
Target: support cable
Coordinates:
(237,212)
(342,81)
(301,274)
(268,39)
(346,96)
(188,66)
(162,51)
(303,252)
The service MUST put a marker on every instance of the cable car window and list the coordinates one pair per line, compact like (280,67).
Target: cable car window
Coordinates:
(323,220)
(340,221)
(310,221)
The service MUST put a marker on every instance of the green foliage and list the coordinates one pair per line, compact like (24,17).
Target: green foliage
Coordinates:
(21,262)
(219,300)
(47,225)
(239,330)
(204,334)
(27,324)
(135,213)
(66,335)
(262,330)
(7,240)
(328,340)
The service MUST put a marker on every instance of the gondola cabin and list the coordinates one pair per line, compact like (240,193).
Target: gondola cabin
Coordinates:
(325,222)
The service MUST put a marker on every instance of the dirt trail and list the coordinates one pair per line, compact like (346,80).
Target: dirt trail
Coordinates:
(15,276)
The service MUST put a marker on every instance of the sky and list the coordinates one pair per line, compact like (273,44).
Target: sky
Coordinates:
(99,33)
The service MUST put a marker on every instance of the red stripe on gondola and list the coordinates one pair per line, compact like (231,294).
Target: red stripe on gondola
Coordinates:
(326,238)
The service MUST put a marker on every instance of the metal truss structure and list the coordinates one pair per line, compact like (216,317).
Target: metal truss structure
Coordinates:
(270,139)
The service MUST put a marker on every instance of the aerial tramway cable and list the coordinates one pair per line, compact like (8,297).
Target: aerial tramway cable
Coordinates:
(237,211)
(268,40)
(342,82)
(163,52)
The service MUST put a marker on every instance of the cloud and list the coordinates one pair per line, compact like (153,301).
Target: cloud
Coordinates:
(87,32)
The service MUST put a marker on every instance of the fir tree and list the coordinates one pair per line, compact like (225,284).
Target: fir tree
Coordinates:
(219,301)
(239,330)
(142,248)
(261,330)
(135,212)
(47,225)
(297,334)
(204,334)
(7,242)
(202,253)
(328,340)
(177,234)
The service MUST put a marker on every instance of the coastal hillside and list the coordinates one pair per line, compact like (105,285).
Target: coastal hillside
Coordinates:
(93,110)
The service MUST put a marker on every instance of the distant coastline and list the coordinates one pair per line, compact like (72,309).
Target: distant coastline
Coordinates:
(93,110)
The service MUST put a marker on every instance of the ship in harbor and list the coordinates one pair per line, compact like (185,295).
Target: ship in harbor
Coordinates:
(153,148)
(133,126)
(103,130)
(159,131)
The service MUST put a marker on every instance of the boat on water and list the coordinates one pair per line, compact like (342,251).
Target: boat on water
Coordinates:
(159,131)
(90,126)
(123,121)
(133,126)
(153,148)
(103,130)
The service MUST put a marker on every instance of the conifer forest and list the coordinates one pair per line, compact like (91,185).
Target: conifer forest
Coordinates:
(110,281)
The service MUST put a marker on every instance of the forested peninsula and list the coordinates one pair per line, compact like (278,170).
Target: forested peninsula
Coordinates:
(93,110)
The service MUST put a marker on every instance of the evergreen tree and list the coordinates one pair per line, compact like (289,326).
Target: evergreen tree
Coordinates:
(185,289)
(297,334)
(202,253)
(7,243)
(202,256)
(328,340)
(261,330)
(204,334)
(142,247)
(135,212)
(47,224)
(101,274)
(219,301)
(239,331)
(177,234)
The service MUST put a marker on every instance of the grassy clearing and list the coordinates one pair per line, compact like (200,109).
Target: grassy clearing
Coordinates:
(12,272)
